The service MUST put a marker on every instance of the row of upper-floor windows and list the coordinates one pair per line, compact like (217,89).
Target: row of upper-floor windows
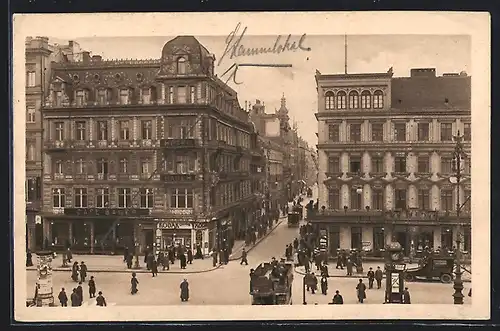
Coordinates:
(175,128)
(227,193)
(377,164)
(354,100)
(399,133)
(378,199)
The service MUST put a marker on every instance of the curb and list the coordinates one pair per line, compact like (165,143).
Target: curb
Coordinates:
(300,272)
(259,241)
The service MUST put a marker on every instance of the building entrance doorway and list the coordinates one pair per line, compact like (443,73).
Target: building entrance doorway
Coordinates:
(148,237)
(402,239)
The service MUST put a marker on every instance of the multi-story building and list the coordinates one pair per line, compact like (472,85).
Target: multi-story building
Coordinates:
(385,160)
(39,55)
(146,153)
(274,188)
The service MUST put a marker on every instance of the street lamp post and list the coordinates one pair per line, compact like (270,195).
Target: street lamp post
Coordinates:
(458,297)
(304,280)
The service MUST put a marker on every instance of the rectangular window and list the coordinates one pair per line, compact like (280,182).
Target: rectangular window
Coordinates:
(333,164)
(81,198)
(58,167)
(446,165)
(146,95)
(400,164)
(184,164)
(124,198)
(377,132)
(423,199)
(58,198)
(423,164)
(355,164)
(102,167)
(400,195)
(356,239)
(82,97)
(147,198)
(181,129)
(147,129)
(81,130)
(80,166)
(58,98)
(59,126)
(124,130)
(123,165)
(423,131)
(356,199)
(170,94)
(181,198)
(446,132)
(30,115)
(333,198)
(33,189)
(181,94)
(146,166)
(400,131)
(446,200)
(102,198)
(192,94)
(355,132)
(102,133)
(353,100)
(467,132)
(377,164)
(124,96)
(341,100)
(30,148)
(102,96)
(333,132)
(31,79)
(377,199)
(378,238)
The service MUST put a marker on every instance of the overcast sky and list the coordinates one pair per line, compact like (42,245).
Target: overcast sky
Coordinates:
(370,53)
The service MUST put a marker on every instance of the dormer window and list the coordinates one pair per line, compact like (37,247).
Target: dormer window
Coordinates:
(125,96)
(103,96)
(181,66)
(58,98)
(82,96)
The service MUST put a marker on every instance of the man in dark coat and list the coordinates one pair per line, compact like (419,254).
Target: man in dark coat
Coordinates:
(150,259)
(92,287)
(83,272)
(406,296)
(69,255)
(371,278)
(160,260)
(29,259)
(324,270)
(244,257)
(184,290)
(314,283)
(349,266)
(182,259)
(252,276)
(378,277)
(125,254)
(190,256)
(324,285)
(214,258)
(199,254)
(226,256)
(63,298)
(171,254)
(129,260)
(339,261)
(74,271)
(100,300)
(75,299)
(79,292)
(146,254)
(134,282)
(337,298)
(295,244)
(154,267)
(361,291)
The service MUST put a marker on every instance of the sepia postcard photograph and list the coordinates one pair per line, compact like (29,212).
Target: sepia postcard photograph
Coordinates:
(199,166)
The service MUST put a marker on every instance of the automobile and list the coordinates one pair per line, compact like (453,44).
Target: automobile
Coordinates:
(432,267)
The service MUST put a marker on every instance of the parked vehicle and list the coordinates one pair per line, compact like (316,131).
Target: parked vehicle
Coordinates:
(272,285)
(432,267)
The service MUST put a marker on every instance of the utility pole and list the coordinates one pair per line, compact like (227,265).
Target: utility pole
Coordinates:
(458,297)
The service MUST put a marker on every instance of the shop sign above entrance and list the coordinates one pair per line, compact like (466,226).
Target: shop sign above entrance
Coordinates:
(106,211)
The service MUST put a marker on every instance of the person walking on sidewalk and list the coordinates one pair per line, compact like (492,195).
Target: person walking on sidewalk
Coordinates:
(63,298)
(100,300)
(74,271)
(125,254)
(378,277)
(324,285)
(134,282)
(371,278)
(184,290)
(154,267)
(349,266)
(189,255)
(92,287)
(79,292)
(83,272)
(244,257)
(339,262)
(75,299)
(406,296)
(214,257)
(361,291)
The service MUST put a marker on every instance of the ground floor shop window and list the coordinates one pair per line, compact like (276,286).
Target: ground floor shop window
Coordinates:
(424,239)
(176,238)
(60,233)
(211,238)
(356,239)
(124,234)
(378,238)
(446,238)
(103,235)
(466,245)
(81,235)
(333,239)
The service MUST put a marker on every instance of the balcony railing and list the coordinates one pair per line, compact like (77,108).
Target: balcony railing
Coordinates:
(179,143)
(412,214)
(56,145)
(176,178)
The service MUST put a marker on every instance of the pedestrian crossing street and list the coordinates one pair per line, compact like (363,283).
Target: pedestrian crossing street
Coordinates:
(93,303)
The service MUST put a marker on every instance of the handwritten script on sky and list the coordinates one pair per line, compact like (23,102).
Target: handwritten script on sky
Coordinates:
(234,48)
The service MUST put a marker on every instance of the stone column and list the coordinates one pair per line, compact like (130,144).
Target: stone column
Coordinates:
(154,128)
(134,129)
(162,131)
(162,95)
(113,129)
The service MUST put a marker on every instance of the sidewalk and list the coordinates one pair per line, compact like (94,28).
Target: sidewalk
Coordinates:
(333,272)
(114,263)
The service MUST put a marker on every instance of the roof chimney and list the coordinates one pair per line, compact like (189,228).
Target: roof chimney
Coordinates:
(423,72)
(86,56)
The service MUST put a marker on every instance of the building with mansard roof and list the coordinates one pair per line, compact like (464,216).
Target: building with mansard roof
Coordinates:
(385,154)
(153,152)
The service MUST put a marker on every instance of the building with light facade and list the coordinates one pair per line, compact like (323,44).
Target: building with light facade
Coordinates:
(142,153)
(385,152)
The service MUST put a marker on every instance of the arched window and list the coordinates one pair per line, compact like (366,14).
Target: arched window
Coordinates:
(181,66)
(378,100)
(353,100)
(329,100)
(366,100)
(341,100)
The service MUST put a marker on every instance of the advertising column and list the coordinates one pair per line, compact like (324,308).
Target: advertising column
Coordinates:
(44,296)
